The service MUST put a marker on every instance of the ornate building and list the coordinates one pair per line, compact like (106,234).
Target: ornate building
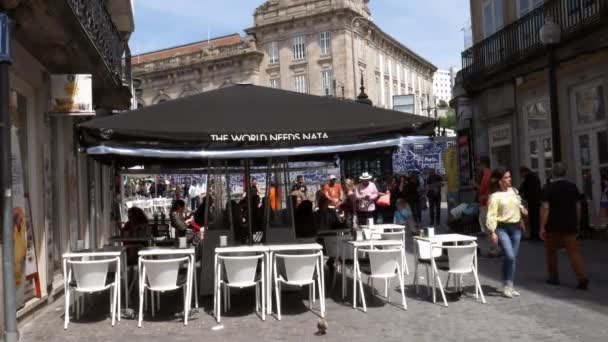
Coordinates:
(321,47)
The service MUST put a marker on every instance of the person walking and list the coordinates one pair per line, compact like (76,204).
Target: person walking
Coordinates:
(530,191)
(559,217)
(434,183)
(504,223)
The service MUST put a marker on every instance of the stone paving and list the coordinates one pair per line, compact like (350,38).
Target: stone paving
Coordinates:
(542,313)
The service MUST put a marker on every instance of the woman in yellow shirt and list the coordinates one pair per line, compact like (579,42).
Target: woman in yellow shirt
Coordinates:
(504,217)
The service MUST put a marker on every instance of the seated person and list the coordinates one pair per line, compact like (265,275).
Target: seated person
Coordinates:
(403,213)
(304,220)
(136,226)
(178,219)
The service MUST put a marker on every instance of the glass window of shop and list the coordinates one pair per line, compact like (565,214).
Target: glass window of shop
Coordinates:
(500,146)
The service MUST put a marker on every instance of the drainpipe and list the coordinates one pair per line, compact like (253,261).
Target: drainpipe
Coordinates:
(11,333)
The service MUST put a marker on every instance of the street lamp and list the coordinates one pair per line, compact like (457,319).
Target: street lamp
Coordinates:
(550,35)
(352,30)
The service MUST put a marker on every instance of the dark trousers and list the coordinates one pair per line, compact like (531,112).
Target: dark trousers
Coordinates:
(416,210)
(362,217)
(434,209)
(534,220)
(553,241)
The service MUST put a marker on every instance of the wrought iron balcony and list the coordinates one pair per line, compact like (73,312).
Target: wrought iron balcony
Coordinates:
(101,31)
(520,39)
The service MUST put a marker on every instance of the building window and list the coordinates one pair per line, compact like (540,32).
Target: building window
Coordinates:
(405,73)
(387,96)
(325,43)
(361,47)
(299,47)
(379,61)
(273,52)
(300,81)
(525,6)
(327,77)
(589,104)
(493,16)
(387,66)
(275,83)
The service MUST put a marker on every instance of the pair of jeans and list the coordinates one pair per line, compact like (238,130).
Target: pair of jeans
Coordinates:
(509,236)
(553,241)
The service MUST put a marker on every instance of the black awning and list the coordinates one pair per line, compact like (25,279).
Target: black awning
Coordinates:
(244,117)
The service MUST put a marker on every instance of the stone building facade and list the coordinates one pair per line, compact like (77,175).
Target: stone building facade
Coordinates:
(504,99)
(320,47)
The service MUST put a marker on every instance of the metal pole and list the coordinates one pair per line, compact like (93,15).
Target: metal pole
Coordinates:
(352,28)
(11,333)
(555,126)
(92,200)
(249,199)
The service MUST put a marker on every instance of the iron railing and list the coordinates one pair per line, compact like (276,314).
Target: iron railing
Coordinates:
(103,34)
(520,39)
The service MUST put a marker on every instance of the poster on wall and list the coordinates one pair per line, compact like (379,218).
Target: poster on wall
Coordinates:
(19,218)
(72,94)
(464,158)
(420,157)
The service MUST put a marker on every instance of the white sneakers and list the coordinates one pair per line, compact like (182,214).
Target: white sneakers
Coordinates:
(510,292)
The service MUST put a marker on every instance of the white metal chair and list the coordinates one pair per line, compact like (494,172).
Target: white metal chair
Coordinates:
(162,276)
(91,276)
(299,271)
(239,272)
(424,253)
(399,235)
(385,264)
(461,260)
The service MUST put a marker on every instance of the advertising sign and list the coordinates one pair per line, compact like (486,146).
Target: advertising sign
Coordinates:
(19,218)
(5,38)
(71,94)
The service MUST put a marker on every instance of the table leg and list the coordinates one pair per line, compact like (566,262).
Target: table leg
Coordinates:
(322,287)
(269,283)
(343,269)
(355,275)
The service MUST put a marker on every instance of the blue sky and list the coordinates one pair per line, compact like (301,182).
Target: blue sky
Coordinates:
(432,28)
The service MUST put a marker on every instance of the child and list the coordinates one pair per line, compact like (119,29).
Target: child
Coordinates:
(403,213)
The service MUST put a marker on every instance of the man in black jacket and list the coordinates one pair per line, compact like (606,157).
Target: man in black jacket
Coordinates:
(530,191)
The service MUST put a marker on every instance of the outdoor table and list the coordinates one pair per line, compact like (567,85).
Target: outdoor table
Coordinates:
(296,247)
(356,245)
(159,251)
(109,252)
(144,239)
(386,226)
(334,231)
(242,249)
(440,239)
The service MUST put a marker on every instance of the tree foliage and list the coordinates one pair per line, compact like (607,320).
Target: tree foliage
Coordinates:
(449,120)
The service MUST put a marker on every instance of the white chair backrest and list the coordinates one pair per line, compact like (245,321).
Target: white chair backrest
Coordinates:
(461,257)
(383,262)
(91,275)
(299,268)
(424,250)
(162,273)
(240,269)
(392,236)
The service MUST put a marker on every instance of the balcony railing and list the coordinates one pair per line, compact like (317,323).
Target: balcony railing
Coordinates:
(99,27)
(521,39)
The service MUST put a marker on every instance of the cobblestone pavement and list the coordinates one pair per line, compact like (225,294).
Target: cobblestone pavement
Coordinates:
(542,313)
